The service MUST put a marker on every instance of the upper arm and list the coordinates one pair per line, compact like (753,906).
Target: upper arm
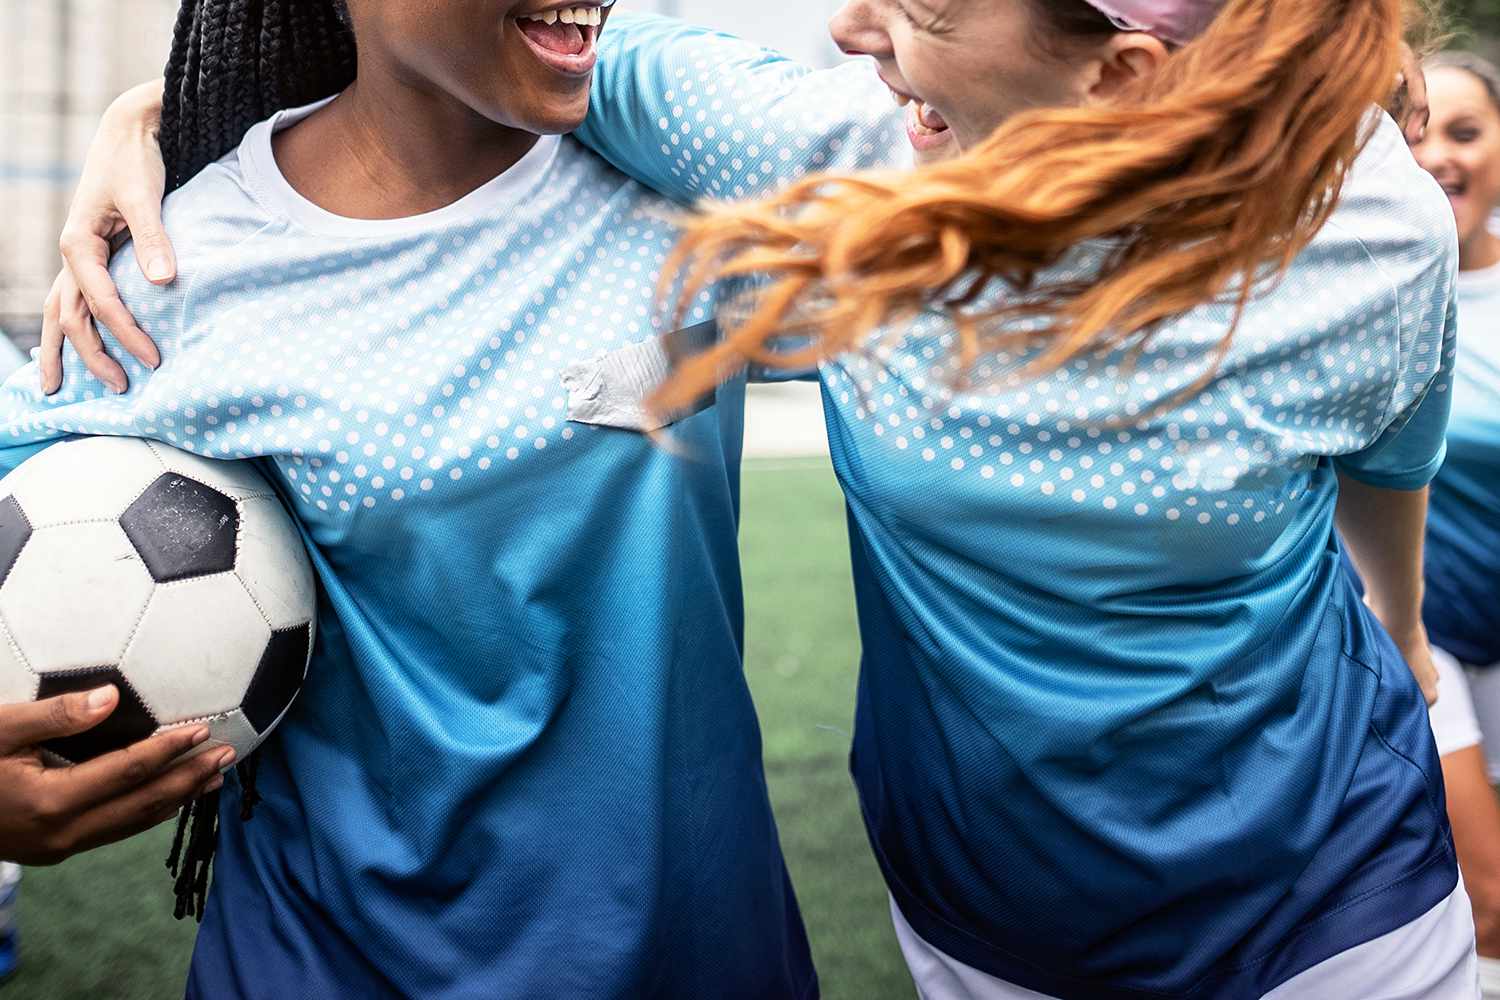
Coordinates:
(1410,449)
(695,113)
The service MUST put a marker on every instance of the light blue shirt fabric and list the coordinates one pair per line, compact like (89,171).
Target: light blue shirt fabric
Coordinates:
(1123,728)
(526,762)
(1463,529)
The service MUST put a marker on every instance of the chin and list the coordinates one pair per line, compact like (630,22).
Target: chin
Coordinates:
(558,118)
(1470,223)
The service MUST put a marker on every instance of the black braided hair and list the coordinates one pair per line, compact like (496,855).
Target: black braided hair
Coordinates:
(196,841)
(236,62)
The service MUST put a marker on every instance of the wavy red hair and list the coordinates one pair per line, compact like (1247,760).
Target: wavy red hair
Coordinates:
(1201,181)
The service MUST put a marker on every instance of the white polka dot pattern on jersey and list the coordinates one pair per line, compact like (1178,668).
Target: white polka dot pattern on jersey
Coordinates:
(377,366)
(697,114)
(1327,365)
(1330,365)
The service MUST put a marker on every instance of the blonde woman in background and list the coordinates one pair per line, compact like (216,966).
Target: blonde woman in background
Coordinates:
(1462,609)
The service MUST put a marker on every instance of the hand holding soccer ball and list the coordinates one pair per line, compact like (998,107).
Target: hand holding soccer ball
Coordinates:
(49,813)
(196,640)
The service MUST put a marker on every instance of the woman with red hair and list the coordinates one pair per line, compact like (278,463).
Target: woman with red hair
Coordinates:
(1100,392)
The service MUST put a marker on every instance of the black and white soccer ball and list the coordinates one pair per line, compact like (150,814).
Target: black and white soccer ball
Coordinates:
(178,579)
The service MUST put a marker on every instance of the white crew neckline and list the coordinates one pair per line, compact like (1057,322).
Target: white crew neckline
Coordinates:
(1480,281)
(272,188)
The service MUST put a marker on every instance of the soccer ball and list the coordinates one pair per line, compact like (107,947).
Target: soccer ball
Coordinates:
(182,581)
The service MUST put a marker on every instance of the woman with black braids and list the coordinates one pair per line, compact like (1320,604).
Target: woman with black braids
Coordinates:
(526,763)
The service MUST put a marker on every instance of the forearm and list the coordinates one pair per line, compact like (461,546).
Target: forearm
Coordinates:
(694,113)
(1383,531)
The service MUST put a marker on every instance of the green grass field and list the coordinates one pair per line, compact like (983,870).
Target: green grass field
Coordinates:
(100,927)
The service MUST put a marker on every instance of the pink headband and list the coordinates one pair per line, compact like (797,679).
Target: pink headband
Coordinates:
(1178,21)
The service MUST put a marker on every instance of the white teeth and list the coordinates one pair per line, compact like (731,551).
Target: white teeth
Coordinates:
(570,15)
(922,128)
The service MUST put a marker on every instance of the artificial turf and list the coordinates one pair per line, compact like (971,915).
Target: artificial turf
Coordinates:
(100,926)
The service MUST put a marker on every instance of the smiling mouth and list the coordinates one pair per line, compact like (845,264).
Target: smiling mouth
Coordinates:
(563,38)
(923,124)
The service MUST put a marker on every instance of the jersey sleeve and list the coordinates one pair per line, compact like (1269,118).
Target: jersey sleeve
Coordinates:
(30,421)
(1410,451)
(694,113)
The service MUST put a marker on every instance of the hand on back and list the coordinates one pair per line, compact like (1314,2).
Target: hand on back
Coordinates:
(1417,651)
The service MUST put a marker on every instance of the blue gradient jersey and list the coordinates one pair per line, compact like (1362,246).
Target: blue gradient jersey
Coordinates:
(526,762)
(1123,729)
(1463,528)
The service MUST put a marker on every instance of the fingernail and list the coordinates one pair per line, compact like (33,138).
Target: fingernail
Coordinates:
(158,269)
(226,758)
(116,386)
(100,698)
(199,735)
(152,360)
(214,785)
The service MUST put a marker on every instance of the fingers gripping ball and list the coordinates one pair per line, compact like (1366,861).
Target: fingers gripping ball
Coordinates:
(178,579)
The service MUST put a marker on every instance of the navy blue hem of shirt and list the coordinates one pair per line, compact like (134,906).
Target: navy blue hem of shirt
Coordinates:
(1319,938)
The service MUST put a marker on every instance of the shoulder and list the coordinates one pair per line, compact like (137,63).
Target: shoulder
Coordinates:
(214,209)
(206,219)
(223,200)
(1393,210)
(578,168)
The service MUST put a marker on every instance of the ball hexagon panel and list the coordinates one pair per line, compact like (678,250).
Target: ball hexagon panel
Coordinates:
(181,673)
(39,599)
(237,480)
(279,677)
(273,564)
(183,528)
(15,532)
(91,479)
(129,723)
(17,681)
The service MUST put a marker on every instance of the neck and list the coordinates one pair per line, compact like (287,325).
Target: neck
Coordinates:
(1479,251)
(386,149)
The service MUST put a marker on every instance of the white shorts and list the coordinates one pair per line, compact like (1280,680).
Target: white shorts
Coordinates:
(1468,707)
(1431,958)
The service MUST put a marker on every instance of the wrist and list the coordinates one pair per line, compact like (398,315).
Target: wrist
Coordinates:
(1402,618)
(138,110)
(1404,630)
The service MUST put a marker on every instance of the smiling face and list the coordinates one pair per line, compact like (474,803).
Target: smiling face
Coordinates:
(961,65)
(1462,147)
(525,64)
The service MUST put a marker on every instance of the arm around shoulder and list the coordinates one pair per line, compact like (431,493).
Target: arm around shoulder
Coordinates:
(694,113)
